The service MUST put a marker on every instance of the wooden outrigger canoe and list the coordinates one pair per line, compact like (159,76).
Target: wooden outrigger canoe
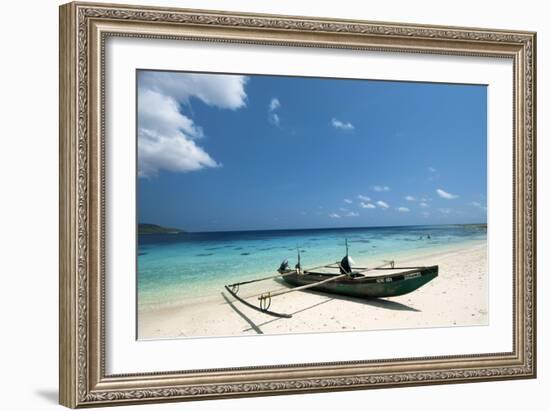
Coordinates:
(387,281)
(391,282)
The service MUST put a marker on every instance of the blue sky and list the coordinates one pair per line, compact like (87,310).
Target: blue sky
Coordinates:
(227,152)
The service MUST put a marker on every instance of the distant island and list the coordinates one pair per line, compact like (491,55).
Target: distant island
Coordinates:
(157,229)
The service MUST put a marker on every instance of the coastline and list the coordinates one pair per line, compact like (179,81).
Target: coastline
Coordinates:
(458,296)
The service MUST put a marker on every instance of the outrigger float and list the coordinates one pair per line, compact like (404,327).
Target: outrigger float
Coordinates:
(387,281)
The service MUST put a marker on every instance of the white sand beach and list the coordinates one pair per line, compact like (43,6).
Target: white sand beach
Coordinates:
(458,296)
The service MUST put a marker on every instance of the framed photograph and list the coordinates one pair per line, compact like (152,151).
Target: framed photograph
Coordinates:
(259,204)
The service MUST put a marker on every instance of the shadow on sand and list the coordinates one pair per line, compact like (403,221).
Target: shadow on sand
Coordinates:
(256,327)
(253,326)
(374,302)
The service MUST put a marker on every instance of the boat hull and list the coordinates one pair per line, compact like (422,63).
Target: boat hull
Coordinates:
(379,286)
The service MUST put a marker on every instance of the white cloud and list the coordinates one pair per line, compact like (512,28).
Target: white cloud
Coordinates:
(367,205)
(344,209)
(382,204)
(342,125)
(352,214)
(403,209)
(347,201)
(273,117)
(380,188)
(334,215)
(445,210)
(166,137)
(410,198)
(219,90)
(160,113)
(425,214)
(443,194)
(431,170)
(363,198)
(478,205)
(274,104)
(423,204)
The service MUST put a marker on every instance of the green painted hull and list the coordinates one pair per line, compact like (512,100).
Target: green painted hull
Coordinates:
(379,286)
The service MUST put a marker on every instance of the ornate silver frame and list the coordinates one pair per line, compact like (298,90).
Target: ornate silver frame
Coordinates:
(83,30)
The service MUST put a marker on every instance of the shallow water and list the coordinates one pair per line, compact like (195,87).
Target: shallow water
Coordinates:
(173,267)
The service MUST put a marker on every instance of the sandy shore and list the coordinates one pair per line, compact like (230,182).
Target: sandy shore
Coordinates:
(458,296)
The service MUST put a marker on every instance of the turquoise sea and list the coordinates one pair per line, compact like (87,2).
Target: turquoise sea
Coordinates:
(173,267)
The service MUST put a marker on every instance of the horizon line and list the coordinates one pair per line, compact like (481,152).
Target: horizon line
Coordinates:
(318,228)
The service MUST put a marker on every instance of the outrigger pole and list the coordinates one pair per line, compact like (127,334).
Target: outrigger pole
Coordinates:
(271,277)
